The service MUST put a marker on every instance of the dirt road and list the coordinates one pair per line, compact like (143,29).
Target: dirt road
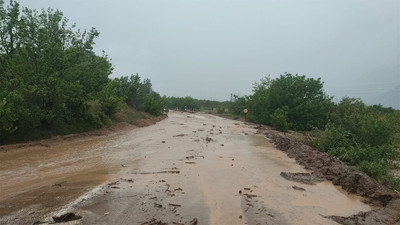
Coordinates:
(186,169)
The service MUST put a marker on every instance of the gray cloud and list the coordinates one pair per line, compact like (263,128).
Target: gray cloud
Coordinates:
(209,49)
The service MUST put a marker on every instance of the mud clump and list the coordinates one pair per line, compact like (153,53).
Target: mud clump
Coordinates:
(305,178)
(387,215)
(298,188)
(66,217)
(349,178)
(193,221)
(154,222)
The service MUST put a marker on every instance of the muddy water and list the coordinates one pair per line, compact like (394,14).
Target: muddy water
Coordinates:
(187,168)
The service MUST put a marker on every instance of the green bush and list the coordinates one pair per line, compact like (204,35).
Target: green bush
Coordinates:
(332,137)
(279,119)
(366,125)
(154,104)
(304,99)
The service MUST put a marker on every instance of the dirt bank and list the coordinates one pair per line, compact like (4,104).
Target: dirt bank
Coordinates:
(349,178)
(119,127)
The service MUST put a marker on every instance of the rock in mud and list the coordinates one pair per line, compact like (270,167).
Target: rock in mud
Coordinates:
(154,222)
(298,188)
(193,221)
(66,217)
(305,178)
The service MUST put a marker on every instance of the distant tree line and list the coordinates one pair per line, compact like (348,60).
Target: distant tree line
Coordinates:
(364,136)
(190,104)
(51,79)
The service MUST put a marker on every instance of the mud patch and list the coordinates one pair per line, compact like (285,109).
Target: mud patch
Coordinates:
(256,212)
(305,178)
(387,215)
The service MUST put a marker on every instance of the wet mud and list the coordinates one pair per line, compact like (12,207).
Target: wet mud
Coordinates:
(305,178)
(187,169)
(349,178)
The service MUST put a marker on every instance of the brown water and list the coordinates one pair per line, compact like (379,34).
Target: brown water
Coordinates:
(39,180)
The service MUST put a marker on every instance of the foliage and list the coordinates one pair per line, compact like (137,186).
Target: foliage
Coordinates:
(224,107)
(50,78)
(303,99)
(154,104)
(239,104)
(363,136)
(190,104)
(208,104)
(279,119)
(186,103)
(367,125)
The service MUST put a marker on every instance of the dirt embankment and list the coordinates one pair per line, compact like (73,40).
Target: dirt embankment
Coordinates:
(352,180)
(100,132)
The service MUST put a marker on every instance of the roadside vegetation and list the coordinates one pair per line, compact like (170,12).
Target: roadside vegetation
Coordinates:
(190,104)
(367,137)
(52,82)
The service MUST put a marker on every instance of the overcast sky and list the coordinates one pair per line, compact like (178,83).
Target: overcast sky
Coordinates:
(210,48)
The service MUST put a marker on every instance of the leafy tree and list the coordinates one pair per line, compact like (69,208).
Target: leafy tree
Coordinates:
(304,98)
(138,94)
(154,104)
(239,104)
(186,103)
(366,125)
(279,119)
(50,78)
(48,72)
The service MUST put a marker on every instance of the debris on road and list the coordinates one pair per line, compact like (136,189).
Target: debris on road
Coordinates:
(66,217)
(305,178)
(298,188)
(164,171)
(154,222)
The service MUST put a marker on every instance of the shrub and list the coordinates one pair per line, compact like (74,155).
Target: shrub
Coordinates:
(279,119)
(304,99)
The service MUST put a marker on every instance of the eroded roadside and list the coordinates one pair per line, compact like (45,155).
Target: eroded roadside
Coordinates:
(349,178)
(186,169)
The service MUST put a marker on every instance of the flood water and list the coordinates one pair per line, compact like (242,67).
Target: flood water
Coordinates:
(187,167)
